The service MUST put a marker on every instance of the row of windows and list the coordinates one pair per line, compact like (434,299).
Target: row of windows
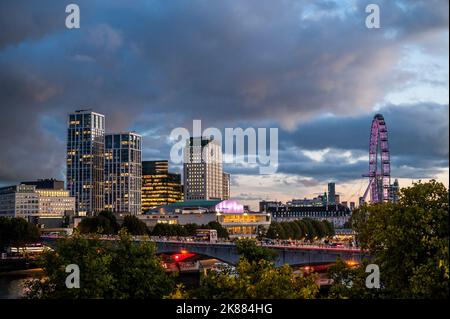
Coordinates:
(87,120)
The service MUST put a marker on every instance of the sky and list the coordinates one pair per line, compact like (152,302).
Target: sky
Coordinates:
(309,68)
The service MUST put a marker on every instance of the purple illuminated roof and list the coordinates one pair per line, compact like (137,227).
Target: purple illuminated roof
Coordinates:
(229,206)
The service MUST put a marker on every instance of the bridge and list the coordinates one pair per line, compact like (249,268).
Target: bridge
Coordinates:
(292,255)
(226,251)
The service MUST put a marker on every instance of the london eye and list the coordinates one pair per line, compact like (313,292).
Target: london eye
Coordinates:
(379,162)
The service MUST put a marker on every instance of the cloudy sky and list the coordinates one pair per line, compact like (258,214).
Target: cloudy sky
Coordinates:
(309,68)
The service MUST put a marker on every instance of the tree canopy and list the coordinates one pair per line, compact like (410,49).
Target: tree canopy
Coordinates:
(104,223)
(134,225)
(162,229)
(257,277)
(305,228)
(17,232)
(252,252)
(256,280)
(123,269)
(409,241)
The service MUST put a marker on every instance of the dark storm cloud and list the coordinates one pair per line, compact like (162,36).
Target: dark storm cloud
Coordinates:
(152,66)
(414,129)
(27,20)
(418,142)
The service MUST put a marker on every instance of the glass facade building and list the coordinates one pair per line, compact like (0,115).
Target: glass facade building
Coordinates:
(85,161)
(123,173)
(159,187)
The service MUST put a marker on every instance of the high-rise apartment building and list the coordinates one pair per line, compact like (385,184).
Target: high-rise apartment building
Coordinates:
(85,160)
(226,181)
(159,187)
(202,169)
(123,173)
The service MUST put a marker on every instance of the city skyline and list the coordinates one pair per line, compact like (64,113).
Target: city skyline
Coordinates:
(321,99)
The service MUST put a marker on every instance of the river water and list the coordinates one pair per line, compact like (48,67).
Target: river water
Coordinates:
(12,284)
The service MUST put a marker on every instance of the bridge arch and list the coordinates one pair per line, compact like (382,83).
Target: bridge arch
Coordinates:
(227,252)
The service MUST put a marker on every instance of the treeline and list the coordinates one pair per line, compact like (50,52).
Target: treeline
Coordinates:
(187,230)
(306,228)
(412,266)
(16,232)
(106,223)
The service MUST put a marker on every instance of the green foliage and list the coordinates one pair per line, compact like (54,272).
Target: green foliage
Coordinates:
(310,230)
(105,223)
(178,293)
(112,220)
(16,232)
(255,277)
(137,271)
(289,233)
(350,282)
(190,229)
(329,227)
(300,229)
(122,269)
(221,231)
(303,229)
(134,225)
(409,241)
(256,280)
(319,228)
(347,224)
(162,229)
(276,231)
(249,250)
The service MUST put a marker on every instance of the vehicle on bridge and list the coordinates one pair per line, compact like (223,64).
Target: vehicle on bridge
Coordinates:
(208,235)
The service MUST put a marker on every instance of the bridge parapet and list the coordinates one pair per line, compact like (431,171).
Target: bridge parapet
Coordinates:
(227,252)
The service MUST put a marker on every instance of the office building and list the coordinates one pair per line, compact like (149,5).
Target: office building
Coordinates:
(320,200)
(202,169)
(159,187)
(85,161)
(46,183)
(229,213)
(19,201)
(226,181)
(336,214)
(44,206)
(266,206)
(55,202)
(123,173)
